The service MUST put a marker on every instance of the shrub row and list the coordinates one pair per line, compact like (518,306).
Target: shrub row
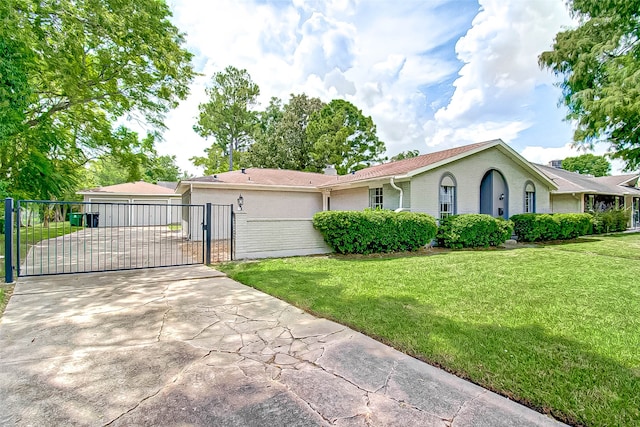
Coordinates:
(473,231)
(373,231)
(541,227)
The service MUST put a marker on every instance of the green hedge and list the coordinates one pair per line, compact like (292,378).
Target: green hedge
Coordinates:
(473,231)
(610,221)
(543,227)
(374,231)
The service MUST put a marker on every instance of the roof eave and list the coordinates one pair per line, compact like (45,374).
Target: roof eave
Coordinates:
(242,186)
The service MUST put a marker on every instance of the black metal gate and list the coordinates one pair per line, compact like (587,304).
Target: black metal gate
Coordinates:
(77,237)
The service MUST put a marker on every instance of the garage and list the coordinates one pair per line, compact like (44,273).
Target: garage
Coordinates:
(134,204)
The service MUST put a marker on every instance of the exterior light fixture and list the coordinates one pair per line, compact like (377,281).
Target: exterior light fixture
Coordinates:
(501,197)
(240,202)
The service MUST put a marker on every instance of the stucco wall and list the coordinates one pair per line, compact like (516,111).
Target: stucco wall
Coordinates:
(565,203)
(468,173)
(355,199)
(391,196)
(263,204)
(276,237)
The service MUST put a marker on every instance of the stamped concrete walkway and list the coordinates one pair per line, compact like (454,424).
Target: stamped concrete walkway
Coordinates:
(188,346)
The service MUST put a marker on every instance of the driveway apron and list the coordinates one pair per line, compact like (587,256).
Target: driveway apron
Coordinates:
(189,346)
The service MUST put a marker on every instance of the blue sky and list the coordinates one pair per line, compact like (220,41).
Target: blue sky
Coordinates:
(432,74)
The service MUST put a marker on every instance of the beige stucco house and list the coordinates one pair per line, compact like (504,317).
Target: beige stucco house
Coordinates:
(487,177)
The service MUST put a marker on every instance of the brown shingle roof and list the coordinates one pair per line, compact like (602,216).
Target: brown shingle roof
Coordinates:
(258,176)
(139,187)
(405,166)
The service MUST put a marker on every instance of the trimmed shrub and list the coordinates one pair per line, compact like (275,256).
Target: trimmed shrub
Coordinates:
(374,231)
(543,227)
(473,231)
(610,221)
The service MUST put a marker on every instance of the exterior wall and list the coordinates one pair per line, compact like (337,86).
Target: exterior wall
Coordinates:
(391,196)
(355,199)
(262,203)
(468,173)
(565,203)
(276,237)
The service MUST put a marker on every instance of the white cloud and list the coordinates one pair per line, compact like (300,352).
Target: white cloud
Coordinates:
(393,60)
(495,87)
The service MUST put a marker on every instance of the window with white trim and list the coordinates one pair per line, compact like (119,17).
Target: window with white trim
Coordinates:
(529,198)
(447,196)
(375,198)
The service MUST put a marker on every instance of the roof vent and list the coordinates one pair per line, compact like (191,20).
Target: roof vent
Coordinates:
(243,170)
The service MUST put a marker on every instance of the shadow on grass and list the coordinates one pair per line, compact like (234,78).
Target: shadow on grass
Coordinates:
(552,374)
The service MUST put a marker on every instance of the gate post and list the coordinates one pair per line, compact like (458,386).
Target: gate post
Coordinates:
(207,234)
(8,240)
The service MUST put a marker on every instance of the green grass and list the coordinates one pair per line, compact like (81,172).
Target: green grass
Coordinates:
(29,236)
(556,327)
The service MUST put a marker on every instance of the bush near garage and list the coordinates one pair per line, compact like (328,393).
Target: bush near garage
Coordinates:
(610,221)
(473,231)
(533,227)
(375,231)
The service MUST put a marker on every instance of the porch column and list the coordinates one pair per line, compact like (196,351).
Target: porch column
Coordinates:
(325,199)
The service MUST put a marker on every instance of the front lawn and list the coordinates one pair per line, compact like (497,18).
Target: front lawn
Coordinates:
(556,327)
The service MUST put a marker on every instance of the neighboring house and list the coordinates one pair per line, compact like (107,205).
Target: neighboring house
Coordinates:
(133,204)
(585,193)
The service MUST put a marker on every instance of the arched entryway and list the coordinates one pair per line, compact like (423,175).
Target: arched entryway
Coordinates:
(494,195)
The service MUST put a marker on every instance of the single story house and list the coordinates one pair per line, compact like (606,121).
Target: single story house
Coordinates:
(487,177)
(133,204)
(274,217)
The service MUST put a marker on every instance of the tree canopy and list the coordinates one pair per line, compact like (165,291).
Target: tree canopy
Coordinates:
(69,71)
(599,62)
(587,164)
(344,137)
(405,155)
(227,115)
(281,138)
(109,170)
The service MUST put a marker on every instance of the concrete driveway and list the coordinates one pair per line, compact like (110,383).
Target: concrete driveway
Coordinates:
(113,248)
(188,346)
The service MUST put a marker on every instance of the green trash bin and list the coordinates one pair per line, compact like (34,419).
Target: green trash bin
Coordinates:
(75,219)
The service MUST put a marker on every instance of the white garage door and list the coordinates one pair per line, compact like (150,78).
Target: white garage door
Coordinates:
(112,212)
(150,212)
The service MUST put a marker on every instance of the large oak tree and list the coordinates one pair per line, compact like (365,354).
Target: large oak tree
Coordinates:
(70,70)
(344,137)
(599,62)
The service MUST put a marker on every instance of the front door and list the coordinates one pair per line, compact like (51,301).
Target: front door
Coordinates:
(494,195)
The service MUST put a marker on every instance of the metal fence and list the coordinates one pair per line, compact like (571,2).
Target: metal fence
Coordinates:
(72,237)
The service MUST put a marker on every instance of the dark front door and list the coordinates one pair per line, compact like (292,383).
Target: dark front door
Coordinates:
(494,195)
